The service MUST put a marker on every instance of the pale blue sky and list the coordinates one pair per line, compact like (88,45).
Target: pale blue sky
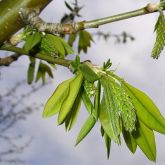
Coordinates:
(52,145)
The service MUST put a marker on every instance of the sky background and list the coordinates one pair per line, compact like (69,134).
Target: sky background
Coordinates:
(132,61)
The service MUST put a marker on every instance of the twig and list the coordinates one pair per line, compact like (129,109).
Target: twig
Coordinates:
(6,61)
(30,17)
(50,59)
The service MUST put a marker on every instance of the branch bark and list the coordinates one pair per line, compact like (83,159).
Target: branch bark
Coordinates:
(10,21)
(50,59)
(6,61)
(30,17)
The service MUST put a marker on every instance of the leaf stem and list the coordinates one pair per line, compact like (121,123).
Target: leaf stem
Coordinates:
(52,60)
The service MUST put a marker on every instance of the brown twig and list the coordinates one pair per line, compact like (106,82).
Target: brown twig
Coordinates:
(6,61)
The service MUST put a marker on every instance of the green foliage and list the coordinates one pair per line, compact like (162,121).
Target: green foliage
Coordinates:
(86,128)
(72,117)
(72,39)
(31,70)
(41,73)
(107,144)
(65,100)
(146,110)
(120,108)
(109,117)
(74,88)
(75,64)
(47,44)
(130,141)
(84,40)
(55,46)
(55,102)
(31,41)
(160,36)
(145,139)
(89,72)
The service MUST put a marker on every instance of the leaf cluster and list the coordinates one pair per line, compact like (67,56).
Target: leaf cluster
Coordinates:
(119,107)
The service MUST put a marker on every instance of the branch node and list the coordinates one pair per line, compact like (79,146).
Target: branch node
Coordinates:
(152,7)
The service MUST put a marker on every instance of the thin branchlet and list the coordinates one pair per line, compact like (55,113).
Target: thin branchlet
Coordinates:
(31,17)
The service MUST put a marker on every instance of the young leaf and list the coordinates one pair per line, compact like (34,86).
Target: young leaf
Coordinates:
(89,72)
(146,110)
(72,117)
(84,41)
(130,141)
(108,144)
(31,70)
(109,116)
(42,70)
(55,102)
(86,128)
(47,70)
(97,99)
(145,139)
(72,39)
(66,107)
(31,41)
(40,74)
(88,104)
(68,48)
(52,45)
(160,36)
(107,122)
(102,131)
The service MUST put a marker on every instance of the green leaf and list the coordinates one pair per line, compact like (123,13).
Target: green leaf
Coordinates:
(145,139)
(42,70)
(52,45)
(55,102)
(68,48)
(47,70)
(146,110)
(86,128)
(72,117)
(102,131)
(107,64)
(109,116)
(97,100)
(108,144)
(88,104)
(75,64)
(160,36)
(31,70)
(40,74)
(130,141)
(107,122)
(32,41)
(66,107)
(84,41)
(89,71)
(72,39)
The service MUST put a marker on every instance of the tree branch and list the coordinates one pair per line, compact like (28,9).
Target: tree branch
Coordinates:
(10,21)
(30,17)
(6,61)
(50,59)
